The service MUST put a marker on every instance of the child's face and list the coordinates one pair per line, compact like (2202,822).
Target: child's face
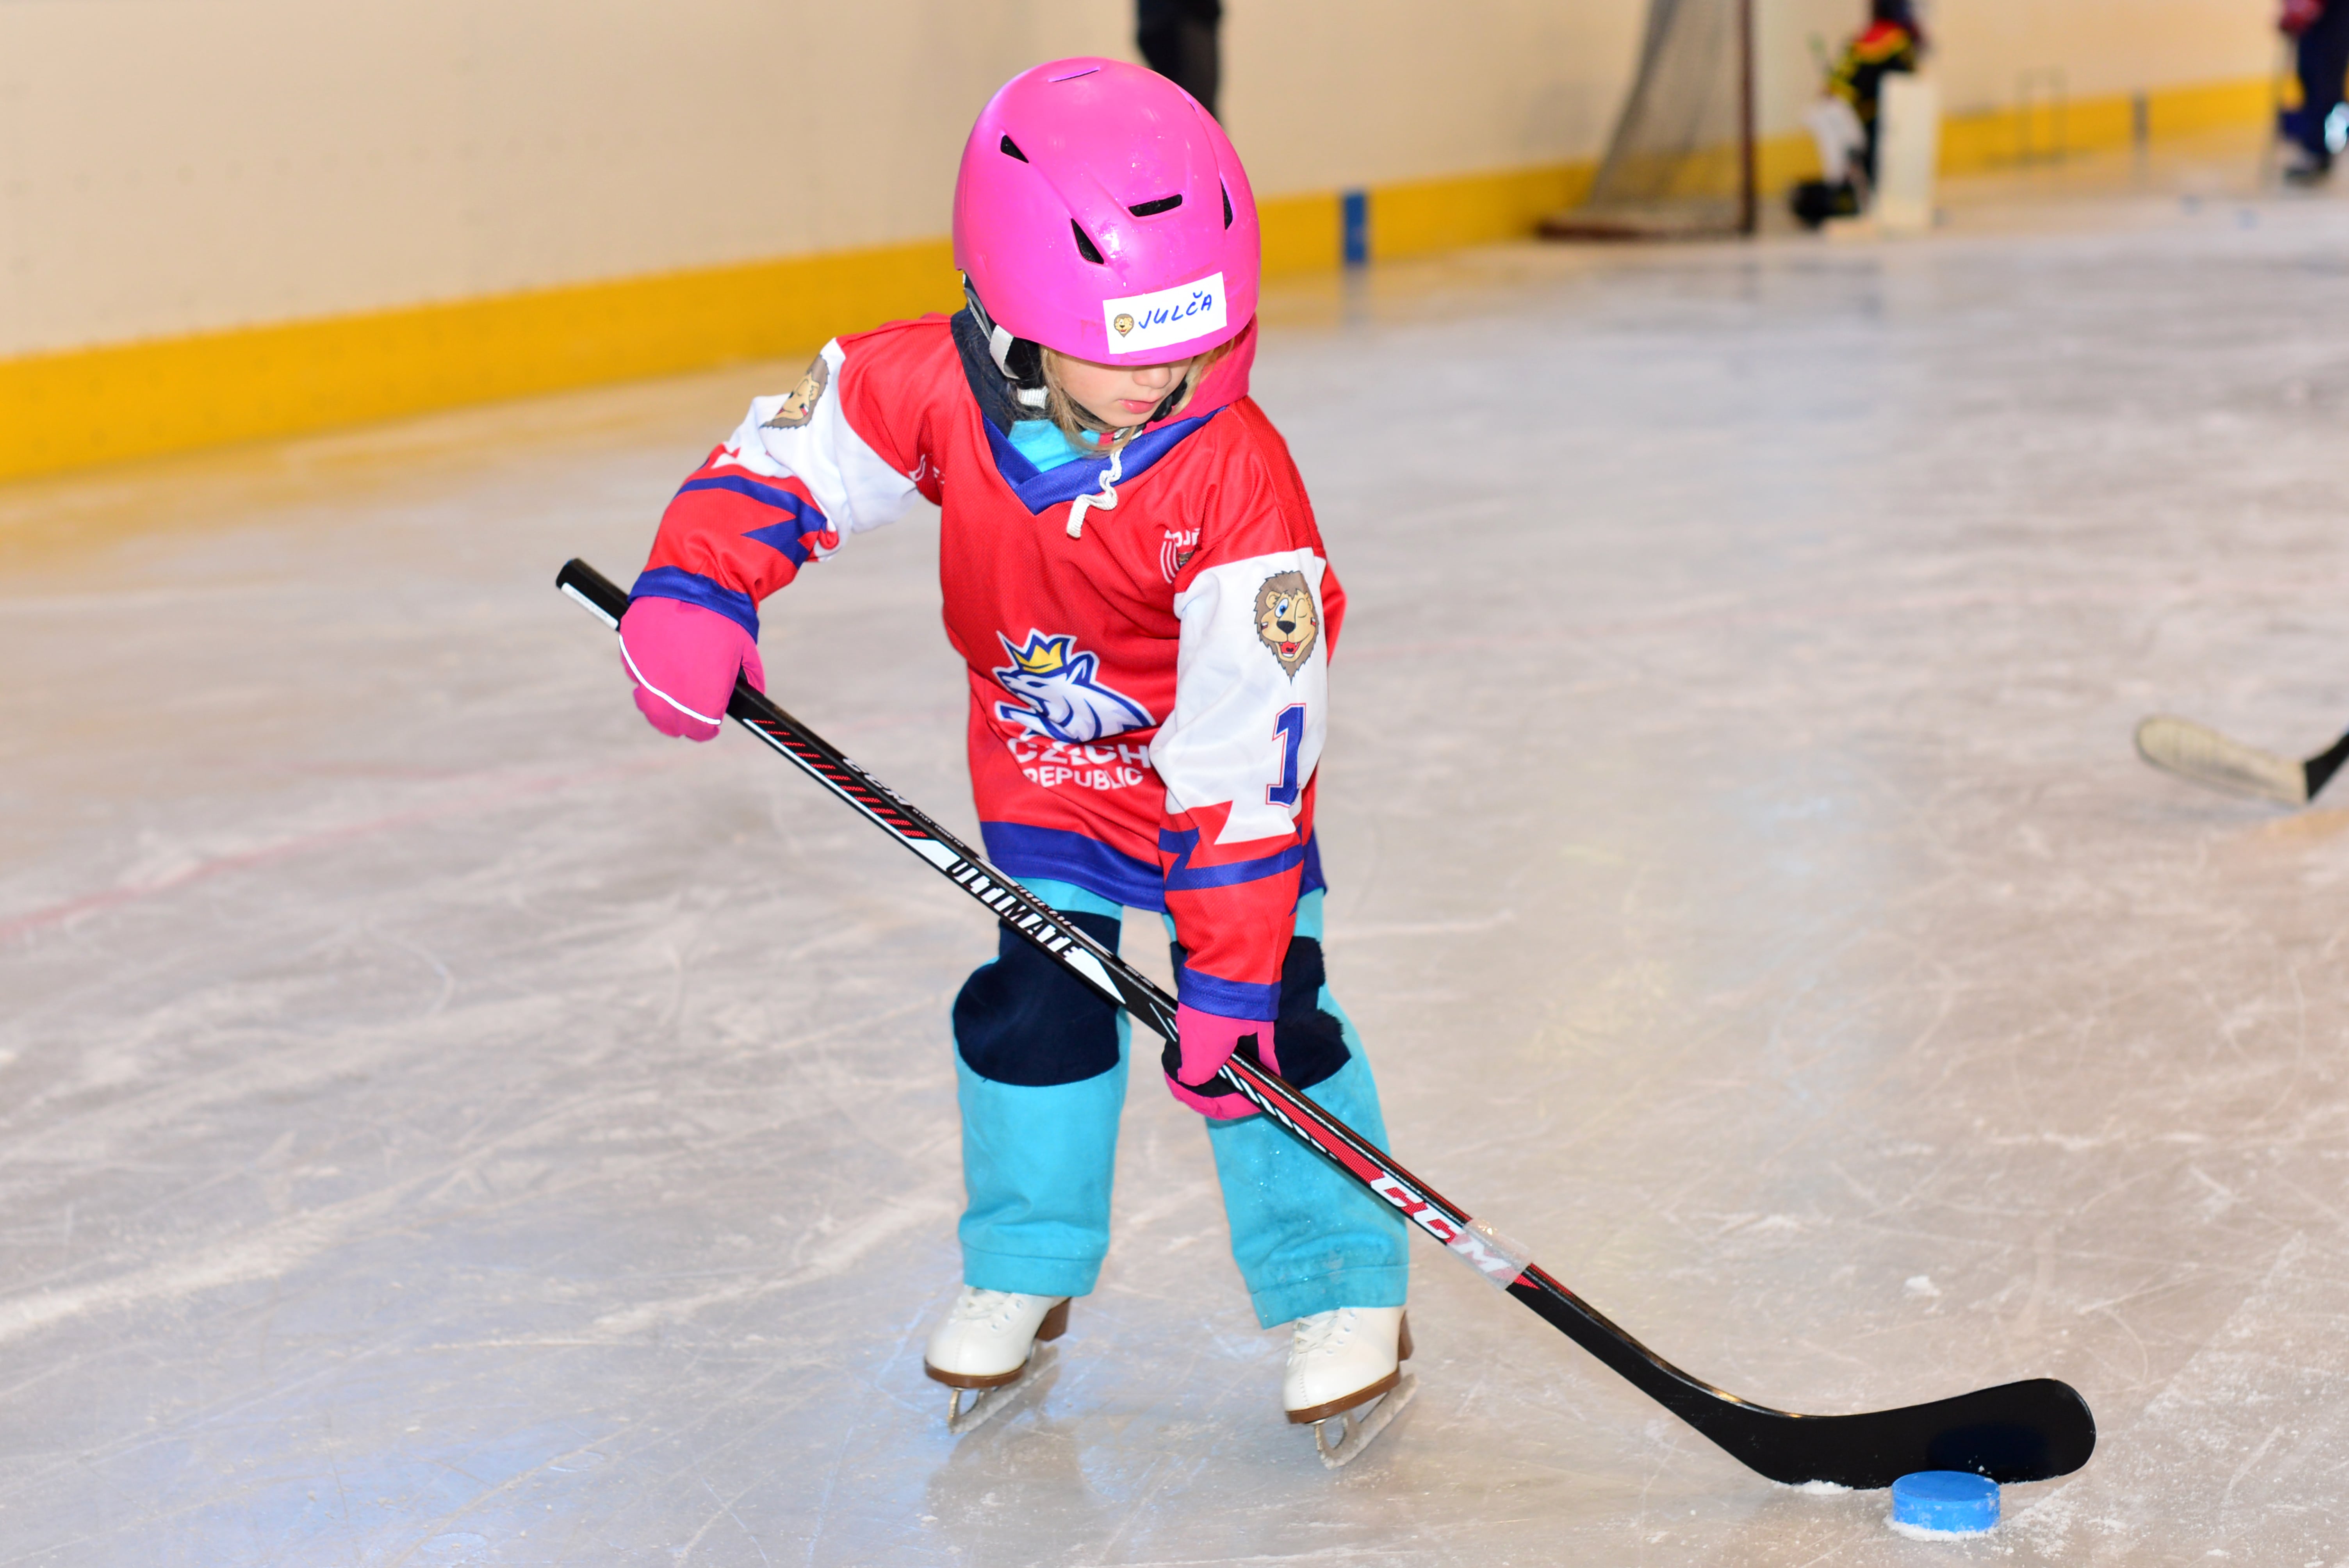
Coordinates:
(1119,396)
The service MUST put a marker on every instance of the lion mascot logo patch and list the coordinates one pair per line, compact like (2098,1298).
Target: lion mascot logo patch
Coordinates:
(800,406)
(1058,696)
(1287,620)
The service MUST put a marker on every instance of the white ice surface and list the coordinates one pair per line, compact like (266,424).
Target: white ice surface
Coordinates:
(441,1123)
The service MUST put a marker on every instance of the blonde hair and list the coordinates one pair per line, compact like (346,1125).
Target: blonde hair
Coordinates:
(1076,422)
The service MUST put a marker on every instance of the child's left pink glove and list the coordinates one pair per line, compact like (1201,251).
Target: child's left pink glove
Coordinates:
(1207,1041)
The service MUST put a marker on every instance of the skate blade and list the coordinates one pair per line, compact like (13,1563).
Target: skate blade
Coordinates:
(2191,751)
(1357,1427)
(986,1404)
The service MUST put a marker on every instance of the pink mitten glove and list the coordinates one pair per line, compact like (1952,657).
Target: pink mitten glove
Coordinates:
(1206,1041)
(683,659)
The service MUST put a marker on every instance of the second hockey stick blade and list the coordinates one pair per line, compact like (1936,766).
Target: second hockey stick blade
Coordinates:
(2198,752)
(2015,1432)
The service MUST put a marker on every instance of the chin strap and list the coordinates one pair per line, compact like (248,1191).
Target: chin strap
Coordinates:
(1106,500)
(999,344)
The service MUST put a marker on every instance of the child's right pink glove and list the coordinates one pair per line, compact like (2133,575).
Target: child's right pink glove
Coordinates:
(1204,1043)
(683,659)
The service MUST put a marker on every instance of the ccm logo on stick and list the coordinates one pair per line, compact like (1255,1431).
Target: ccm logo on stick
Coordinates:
(1494,1262)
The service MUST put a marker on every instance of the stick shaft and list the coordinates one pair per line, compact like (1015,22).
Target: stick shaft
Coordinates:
(2018,1431)
(1090,961)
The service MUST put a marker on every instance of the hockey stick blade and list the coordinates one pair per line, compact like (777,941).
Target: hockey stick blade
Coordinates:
(2201,754)
(2198,752)
(2030,1430)
(2017,1433)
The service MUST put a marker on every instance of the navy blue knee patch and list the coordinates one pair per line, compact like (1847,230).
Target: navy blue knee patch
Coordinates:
(1310,1043)
(1025,1020)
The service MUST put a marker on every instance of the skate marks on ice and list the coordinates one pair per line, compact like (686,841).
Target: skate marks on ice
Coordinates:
(2244,1454)
(167,864)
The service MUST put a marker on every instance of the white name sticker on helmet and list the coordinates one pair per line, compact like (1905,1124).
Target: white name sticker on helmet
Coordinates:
(1143,322)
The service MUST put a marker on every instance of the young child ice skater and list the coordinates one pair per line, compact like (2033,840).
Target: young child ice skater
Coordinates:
(1132,574)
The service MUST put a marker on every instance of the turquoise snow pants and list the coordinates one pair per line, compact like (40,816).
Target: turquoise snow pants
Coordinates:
(1041,1065)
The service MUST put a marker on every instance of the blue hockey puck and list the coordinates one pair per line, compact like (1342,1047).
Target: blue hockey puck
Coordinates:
(1947,1503)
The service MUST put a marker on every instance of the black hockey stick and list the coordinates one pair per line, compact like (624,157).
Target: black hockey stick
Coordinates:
(2015,1432)
(2198,752)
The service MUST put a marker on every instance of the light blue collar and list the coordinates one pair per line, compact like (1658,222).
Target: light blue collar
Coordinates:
(1042,443)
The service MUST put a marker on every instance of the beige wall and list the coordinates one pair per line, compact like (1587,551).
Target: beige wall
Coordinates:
(1328,94)
(2103,47)
(171,166)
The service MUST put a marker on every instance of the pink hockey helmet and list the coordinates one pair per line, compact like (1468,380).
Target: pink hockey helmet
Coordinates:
(1101,212)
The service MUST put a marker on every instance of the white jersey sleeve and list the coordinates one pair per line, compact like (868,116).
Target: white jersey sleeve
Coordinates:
(783,491)
(805,434)
(1251,697)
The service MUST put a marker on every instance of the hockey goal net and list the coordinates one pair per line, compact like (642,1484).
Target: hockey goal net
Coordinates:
(1680,162)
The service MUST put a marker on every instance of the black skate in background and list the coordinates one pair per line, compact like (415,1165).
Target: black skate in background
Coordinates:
(2015,1432)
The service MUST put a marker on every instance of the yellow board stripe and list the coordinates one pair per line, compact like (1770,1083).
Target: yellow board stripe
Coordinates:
(71,410)
(137,399)
(2001,139)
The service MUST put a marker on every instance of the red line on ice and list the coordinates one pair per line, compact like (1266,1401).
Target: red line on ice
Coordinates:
(57,913)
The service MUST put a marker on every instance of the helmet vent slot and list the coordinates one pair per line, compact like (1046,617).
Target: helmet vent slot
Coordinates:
(1152,209)
(1011,149)
(1227,206)
(1085,246)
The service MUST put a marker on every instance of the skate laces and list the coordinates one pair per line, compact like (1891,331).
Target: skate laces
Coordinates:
(977,1306)
(1321,1332)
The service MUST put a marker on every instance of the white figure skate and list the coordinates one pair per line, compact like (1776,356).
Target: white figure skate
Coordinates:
(1339,1364)
(987,1348)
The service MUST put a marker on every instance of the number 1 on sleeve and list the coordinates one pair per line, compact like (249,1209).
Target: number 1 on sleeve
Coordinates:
(1288,729)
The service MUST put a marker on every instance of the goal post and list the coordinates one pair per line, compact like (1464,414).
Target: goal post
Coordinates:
(1682,161)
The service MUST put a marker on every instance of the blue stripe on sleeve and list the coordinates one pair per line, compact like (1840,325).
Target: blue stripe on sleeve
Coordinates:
(785,538)
(770,495)
(1226,998)
(675,583)
(801,516)
(1183,877)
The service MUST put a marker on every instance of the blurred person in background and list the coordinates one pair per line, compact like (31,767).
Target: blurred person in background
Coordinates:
(2314,132)
(1844,121)
(1178,39)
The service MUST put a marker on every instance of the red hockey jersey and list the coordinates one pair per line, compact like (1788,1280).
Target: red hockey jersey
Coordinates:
(1149,691)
